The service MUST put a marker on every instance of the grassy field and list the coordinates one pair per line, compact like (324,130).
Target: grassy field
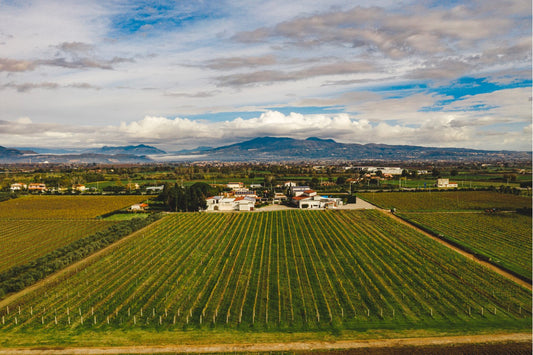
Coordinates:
(307,272)
(446,200)
(26,240)
(64,207)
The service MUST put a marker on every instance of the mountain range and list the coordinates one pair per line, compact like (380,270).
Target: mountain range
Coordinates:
(259,149)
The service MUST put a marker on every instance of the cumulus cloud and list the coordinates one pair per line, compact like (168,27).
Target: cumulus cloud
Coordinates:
(441,129)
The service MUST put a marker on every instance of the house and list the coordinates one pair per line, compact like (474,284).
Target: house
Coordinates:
(245,203)
(235,185)
(244,192)
(445,183)
(309,199)
(299,190)
(18,186)
(255,186)
(139,207)
(78,187)
(315,201)
(279,197)
(289,184)
(39,187)
(221,203)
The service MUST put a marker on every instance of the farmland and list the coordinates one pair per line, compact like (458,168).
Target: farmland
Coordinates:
(446,200)
(64,207)
(505,238)
(296,271)
(26,240)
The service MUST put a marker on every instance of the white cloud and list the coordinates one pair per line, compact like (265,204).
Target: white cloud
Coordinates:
(438,130)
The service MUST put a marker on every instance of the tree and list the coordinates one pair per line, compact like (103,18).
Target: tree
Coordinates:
(341,180)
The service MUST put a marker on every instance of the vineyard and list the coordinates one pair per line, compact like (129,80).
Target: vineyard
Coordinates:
(64,207)
(283,270)
(446,200)
(505,238)
(26,240)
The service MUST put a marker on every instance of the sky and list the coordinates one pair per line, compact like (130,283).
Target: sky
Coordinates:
(182,74)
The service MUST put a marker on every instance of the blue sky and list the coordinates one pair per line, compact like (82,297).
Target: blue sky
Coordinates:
(181,74)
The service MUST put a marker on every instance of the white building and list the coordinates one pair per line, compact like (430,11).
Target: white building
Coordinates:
(220,203)
(299,190)
(18,187)
(384,170)
(155,189)
(316,202)
(445,183)
(235,185)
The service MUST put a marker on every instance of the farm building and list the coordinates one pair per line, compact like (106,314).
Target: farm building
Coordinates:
(37,187)
(235,185)
(155,189)
(138,207)
(18,187)
(445,183)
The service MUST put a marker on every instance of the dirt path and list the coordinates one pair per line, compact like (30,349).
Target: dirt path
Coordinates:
(293,346)
(72,267)
(464,253)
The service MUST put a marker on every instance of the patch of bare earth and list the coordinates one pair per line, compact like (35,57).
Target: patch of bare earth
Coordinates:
(310,346)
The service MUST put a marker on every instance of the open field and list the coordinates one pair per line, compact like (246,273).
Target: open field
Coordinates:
(504,238)
(284,271)
(26,240)
(446,200)
(64,207)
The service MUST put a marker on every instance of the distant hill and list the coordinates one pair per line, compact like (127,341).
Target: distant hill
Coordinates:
(7,153)
(265,149)
(273,148)
(10,155)
(140,149)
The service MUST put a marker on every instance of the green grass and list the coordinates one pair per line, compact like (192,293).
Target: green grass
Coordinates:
(248,275)
(125,216)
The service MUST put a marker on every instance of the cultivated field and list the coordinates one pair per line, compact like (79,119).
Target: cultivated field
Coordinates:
(274,271)
(446,200)
(64,207)
(505,238)
(26,240)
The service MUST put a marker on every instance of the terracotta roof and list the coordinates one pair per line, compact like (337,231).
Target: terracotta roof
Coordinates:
(298,198)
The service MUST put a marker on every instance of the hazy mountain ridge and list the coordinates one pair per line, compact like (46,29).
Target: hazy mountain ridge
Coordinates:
(266,149)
